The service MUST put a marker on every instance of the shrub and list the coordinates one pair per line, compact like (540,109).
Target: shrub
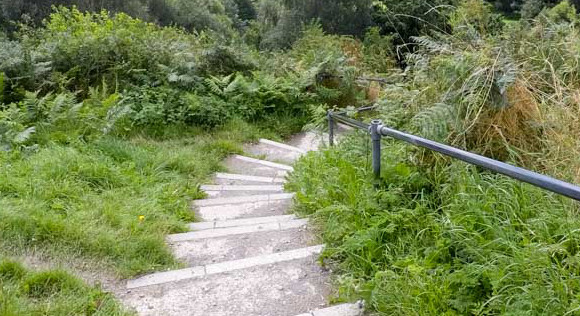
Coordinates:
(224,60)
(11,270)
(90,46)
(48,283)
(207,111)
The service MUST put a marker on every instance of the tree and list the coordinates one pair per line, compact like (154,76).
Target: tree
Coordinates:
(345,17)
(246,10)
(412,17)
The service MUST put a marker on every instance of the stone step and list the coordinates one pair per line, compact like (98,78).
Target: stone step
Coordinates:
(234,247)
(245,210)
(265,163)
(349,309)
(216,268)
(239,230)
(244,199)
(309,141)
(256,167)
(272,153)
(281,145)
(225,191)
(241,222)
(242,179)
(283,288)
(249,188)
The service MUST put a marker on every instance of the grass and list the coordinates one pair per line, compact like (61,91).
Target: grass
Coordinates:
(51,292)
(442,238)
(112,199)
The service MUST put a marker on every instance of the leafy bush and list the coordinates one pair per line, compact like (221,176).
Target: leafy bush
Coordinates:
(89,46)
(224,60)
(51,292)
(439,240)
(11,270)
(48,283)
(408,18)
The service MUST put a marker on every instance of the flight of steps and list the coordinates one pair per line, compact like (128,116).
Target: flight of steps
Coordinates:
(249,256)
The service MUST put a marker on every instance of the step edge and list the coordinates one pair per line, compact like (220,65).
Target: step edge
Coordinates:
(222,267)
(266,163)
(243,199)
(241,187)
(219,232)
(281,145)
(240,222)
(244,177)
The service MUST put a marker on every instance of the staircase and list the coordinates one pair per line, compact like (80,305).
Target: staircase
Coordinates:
(249,256)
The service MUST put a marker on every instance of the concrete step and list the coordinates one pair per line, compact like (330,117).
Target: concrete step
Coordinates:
(275,151)
(241,179)
(239,230)
(312,140)
(241,222)
(244,199)
(265,163)
(256,167)
(244,210)
(226,191)
(234,247)
(281,146)
(309,141)
(271,153)
(355,309)
(281,288)
(216,268)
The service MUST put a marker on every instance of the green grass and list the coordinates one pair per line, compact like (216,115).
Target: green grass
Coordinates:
(112,200)
(52,292)
(441,238)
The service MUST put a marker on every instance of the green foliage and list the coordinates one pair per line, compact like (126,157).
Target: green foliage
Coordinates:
(531,8)
(88,47)
(47,198)
(224,60)
(475,18)
(438,240)
(11,270)
(48,283)
(563,12)
(51,292)
(411,17)
(378,52)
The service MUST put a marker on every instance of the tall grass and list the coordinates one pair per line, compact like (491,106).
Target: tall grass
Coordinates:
(112,199)
(443,239)
(52,292)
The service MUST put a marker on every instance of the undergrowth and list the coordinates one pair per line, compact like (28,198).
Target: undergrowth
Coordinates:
(443,239)
(51,292)
(112,199)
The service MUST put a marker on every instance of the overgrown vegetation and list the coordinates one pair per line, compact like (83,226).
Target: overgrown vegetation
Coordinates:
(113,112)
(53,292)
(441,237)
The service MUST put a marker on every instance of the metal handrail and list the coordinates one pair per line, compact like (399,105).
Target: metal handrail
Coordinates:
(377,130)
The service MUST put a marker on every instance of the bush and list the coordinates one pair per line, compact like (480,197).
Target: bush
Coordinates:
(90,46)
(11,271)
(207,111)
(224,60)
(44,284)
(439,240)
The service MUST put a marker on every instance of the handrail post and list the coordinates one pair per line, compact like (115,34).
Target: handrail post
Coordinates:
(330,128)
(375,130)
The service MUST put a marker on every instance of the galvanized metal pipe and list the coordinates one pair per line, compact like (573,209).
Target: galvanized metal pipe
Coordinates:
(330,128)
(539,180)
(375,131)
(350,122)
